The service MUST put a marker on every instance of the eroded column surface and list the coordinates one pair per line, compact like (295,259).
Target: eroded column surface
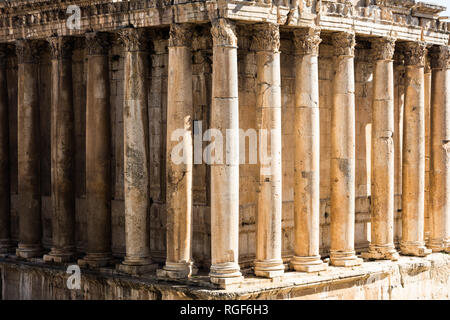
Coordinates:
(413,180)
(342,251)
(136,153)
(382,155)
(98,153)
(440,151)
(307,152)
(266,42)
(30,227)
(5,194)
(179,262)
(225,269)
(62,152)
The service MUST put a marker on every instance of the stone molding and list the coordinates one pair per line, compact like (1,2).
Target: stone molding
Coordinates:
(223,32)
(415,53)
(28,51)
(383,48)
(266,37)
(134,39)
(307,41)
(180,35)
(440,57)
(97,43)
(344,44)
(61,48)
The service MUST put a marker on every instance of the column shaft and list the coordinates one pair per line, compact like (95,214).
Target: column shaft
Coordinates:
(268,261)
(98,153)
(440,151)
(225,175)
(180,115)
(382,155)
(62,153)
(30,227)
(136,154)
(5,194)
(342,251)
(413,185)
(307,153)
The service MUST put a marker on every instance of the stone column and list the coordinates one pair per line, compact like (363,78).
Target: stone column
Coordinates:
(440,151)
(136,154)
(30,227)
(5,194)
(382,155)
(180,115)
(307,152)
(225,174)
(342,251)
(98,153)
(413,181)
(62,152)
(266,42)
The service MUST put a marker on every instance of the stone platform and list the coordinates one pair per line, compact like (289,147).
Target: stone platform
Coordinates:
(407,278)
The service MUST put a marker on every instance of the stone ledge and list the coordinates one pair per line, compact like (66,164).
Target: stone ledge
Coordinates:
(408,278)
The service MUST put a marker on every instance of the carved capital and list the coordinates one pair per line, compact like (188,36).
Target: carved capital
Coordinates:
(28,51)
(61,47)
(440,57)
(344,44)
(307,41)
(134,39)
(223,32)
(415,53)
(97,43)
(180,35)
(383,48)
(266,37)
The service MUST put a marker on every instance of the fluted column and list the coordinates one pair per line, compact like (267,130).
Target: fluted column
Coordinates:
(136,154)
(180,113)
(440,150)
(382,155)
(5,194)
(30,227)
(225,269)
(307,152)
(62,152)
(342,252)
(266,42)
(98,152)
(413,185)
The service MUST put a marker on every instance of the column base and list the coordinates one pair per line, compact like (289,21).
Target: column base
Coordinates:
(381,253)
(60,255)
(439,246)
(308,264)
(96,260)
(28,251)
(137,268)
(344,259)
(174,270)
(416,249)
(226,275)
(269,268)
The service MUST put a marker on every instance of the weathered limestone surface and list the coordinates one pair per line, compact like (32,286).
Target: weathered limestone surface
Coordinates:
(307,153)
(413,171)
(268,261)
(342,251)
(409,278)
(30,230)
(62,153)
(98,152)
